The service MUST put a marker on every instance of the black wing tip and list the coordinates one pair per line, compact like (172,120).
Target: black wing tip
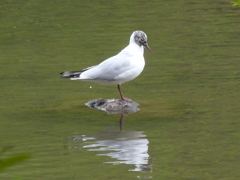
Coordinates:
(63,75)
(73,74)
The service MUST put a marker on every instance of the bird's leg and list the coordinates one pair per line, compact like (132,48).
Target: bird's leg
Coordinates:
(119,89)
(123,98)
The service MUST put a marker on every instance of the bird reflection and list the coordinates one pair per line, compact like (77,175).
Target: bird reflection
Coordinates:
(125,147)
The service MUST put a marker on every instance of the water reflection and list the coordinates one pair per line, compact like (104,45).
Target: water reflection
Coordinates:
(125,147)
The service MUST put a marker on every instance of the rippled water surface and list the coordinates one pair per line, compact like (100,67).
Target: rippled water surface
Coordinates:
(188,123)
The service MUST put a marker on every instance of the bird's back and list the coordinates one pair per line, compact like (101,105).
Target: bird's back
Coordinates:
(123,67)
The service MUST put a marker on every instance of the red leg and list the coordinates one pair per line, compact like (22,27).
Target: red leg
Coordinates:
(119,89)
(123,98)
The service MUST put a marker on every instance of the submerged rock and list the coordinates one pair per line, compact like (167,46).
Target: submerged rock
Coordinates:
(114,106)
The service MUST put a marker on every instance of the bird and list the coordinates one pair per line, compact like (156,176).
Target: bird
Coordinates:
(118,69)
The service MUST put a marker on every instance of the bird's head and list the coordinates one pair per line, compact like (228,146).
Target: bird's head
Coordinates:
(140,38)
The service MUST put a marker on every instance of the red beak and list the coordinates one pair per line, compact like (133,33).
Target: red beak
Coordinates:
(147,47)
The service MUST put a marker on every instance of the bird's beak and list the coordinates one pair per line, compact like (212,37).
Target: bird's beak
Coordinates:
(147,47)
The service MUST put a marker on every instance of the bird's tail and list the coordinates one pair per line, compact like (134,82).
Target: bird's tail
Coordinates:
(70,74)
(73,74)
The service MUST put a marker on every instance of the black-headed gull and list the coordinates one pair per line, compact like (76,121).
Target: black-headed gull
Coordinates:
(121,68)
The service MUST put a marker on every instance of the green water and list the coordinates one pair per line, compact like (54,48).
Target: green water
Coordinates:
(188,92)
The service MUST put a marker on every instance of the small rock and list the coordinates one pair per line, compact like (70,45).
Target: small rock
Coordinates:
(114,106)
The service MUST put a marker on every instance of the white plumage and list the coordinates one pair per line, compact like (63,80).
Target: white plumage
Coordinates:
(121,68)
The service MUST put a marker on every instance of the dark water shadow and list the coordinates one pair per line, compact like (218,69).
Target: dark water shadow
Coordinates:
(124,147)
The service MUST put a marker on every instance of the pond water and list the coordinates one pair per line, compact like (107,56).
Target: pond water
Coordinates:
(188,123)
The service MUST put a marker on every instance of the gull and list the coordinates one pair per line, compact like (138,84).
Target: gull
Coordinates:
(118,69)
